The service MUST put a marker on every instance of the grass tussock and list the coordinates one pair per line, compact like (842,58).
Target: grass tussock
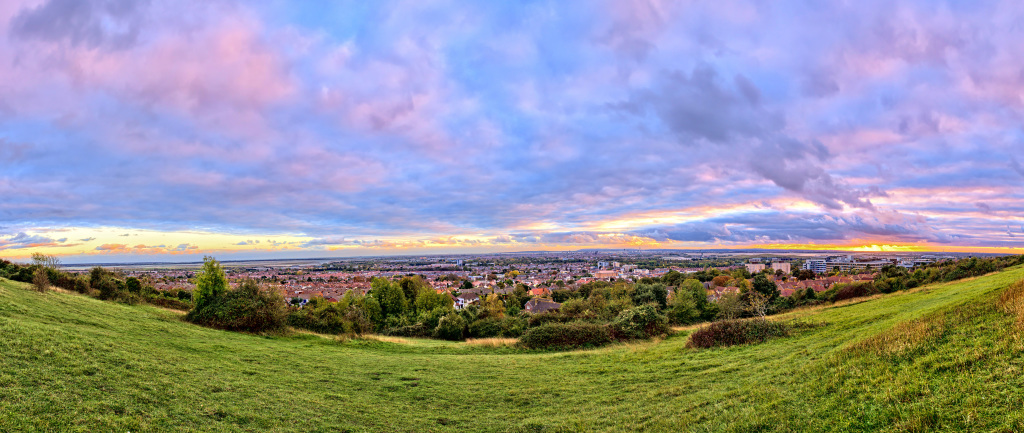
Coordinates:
(385,339)
(1012,302)
(905,339)
(492,342)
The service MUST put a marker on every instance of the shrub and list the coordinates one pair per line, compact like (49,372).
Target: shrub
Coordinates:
(106,285)
(539,319)
(172,303)
(82,285)
(451,327)
(485,328)
(249,308)
(733,332)
(639,323)
(565,336)
(513,326)
(651,293)
(854,290)
(431,318)
(23,274)
(65,281)
(133,285)
(40,281)
(683,310)
(319,316)
(418,329)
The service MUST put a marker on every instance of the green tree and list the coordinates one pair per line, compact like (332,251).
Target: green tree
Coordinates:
(391,297)
(211,283)
(133,285)
(655,293)
(411,287)
(428,299)
(372,311)
(695,289)
(493,307)
(450,327)
(731,306)
(766,287)
(682,310)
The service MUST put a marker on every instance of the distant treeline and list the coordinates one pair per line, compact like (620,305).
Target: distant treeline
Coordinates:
(100,283)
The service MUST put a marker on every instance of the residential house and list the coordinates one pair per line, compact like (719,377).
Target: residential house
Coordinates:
(538,305)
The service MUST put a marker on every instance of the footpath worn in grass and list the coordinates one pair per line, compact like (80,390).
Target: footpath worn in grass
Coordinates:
(943,357)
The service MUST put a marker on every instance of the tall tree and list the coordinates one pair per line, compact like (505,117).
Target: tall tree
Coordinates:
(211,282)
(46,261)
(766,287)
(391,297)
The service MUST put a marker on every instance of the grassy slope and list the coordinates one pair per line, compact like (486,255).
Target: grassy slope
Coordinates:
(68,362)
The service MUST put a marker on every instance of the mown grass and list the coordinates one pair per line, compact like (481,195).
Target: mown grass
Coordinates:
(940,358)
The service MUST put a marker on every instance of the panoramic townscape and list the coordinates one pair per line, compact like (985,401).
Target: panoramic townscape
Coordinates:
(511,216)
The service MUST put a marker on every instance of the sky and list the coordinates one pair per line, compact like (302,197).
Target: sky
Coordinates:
(167,130)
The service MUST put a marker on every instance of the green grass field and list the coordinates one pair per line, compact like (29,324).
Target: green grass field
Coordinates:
(940,358)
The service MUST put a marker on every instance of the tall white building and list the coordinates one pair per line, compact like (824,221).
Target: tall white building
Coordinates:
(818,266)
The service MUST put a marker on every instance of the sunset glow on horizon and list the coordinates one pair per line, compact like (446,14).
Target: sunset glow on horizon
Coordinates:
(166,131)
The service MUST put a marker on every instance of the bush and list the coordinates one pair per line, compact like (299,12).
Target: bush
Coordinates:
(639,323)
(451,327)
(82,285)
(651,293)
(172,303)
(65,281)
(854,290)
(733,332)
(485,328)
(40,280)
(249,308)
(319,316)
(535,320)
(513,326)
(565,336)
(418,329)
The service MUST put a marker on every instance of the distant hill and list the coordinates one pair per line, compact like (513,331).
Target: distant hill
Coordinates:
(940,357)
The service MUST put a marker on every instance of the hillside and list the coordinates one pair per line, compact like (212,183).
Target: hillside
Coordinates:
(941,357)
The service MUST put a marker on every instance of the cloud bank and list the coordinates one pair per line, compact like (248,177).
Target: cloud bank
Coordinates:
(509,125)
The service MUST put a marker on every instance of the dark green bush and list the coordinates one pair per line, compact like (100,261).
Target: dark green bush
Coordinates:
(82,285)
(535,320)
(248,308)
(485,328)
(64,280)
(513,326)
(133,285)
(451,327)
(565,336)
(733,332)
(854,290)
(320,316)
(172,303)
(418,329)
(639,323)
(651,293)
